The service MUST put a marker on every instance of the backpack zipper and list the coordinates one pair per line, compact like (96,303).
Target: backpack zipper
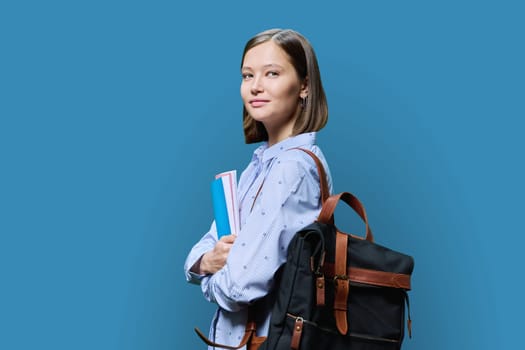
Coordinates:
(351,334)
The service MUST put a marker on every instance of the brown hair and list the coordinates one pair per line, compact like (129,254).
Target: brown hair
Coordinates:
(302,56)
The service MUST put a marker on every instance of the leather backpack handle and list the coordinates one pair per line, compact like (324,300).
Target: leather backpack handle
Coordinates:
(327,212)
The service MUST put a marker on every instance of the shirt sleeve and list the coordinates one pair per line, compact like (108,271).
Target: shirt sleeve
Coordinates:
(206,243)
(288,201)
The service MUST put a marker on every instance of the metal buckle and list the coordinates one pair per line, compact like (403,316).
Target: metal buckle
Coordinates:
(340,277)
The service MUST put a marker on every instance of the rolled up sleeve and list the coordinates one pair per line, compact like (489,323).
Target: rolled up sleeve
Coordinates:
(206,243)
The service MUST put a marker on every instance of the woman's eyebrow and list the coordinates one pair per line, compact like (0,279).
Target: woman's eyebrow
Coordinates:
(269,65)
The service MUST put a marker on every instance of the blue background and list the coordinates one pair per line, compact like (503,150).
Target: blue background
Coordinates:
(116,115)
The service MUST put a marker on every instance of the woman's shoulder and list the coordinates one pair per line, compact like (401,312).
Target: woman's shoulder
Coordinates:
(298,155)
(297,162)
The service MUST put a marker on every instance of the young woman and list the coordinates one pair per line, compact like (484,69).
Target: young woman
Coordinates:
(279,193)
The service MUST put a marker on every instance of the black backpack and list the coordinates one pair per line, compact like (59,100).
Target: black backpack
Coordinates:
(340,291)
(336,291)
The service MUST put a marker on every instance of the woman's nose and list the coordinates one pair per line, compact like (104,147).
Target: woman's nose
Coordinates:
(256,86)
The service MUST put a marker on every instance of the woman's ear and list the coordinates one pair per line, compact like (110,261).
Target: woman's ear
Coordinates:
(304,88)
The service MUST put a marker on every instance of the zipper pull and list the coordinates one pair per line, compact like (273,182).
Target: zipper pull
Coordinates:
(297,331)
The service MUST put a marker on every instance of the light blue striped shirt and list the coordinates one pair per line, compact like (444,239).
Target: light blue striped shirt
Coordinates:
(288,201)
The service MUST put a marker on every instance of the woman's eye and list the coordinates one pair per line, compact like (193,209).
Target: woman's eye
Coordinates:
(272,74)
(246,76)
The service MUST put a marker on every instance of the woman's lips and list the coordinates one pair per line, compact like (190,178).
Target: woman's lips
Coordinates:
(258,103)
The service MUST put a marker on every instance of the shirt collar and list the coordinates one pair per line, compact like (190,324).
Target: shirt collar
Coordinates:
(266,153)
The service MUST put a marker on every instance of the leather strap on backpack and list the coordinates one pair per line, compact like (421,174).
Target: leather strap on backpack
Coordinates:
(372,277)
(341,279)
(341,282)
(250,339)
(325,191)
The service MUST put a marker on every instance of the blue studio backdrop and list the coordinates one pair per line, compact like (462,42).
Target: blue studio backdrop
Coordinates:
(116,115)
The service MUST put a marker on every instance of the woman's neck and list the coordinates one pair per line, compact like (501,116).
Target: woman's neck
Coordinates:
(278,133)
(274,138)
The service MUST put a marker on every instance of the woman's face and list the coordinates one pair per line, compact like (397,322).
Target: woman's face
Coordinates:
(271,89)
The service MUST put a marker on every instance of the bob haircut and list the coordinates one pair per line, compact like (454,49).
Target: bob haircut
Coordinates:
(314,115)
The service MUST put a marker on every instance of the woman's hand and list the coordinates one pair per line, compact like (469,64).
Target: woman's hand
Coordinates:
(215,259)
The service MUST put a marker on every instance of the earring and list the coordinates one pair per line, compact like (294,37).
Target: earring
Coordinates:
(303,102)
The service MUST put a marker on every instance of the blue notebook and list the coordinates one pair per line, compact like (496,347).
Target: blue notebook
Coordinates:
(220,209)
(225,203)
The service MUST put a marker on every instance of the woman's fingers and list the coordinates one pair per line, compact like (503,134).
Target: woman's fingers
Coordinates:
(215,259)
